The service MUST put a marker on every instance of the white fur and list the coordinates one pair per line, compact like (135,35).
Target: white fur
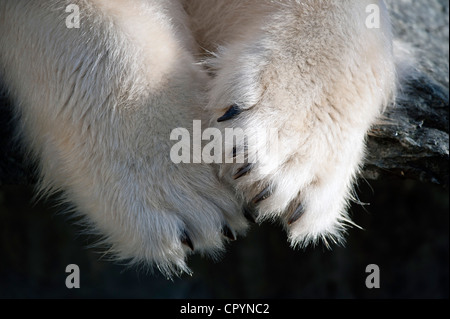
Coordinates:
(97,105)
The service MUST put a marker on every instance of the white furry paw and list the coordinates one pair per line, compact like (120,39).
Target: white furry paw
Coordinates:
(285,172)
(298,121)
(158,214)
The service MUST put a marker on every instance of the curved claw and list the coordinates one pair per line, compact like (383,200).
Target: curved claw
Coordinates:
(296,215)
(262,196)
(227,232)
(249,214)
(242,171)
(233,111)
(235,151)
(186,240)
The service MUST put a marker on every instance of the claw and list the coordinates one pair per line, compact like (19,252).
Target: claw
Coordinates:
(249,215)
(186,240)
(262,196)
(241,158)
(234,152)
(296,214)
(227,232)
(242,171)
(232,112)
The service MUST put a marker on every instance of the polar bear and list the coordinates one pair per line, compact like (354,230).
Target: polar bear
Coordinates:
(99,86)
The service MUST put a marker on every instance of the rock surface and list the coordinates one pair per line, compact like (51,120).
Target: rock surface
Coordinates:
(413,140)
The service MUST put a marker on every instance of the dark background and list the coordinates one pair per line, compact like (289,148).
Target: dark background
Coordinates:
(405,234)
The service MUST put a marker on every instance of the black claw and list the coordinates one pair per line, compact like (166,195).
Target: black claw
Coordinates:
(242,171)
(227,232)
(234,152)
(296,214)
(232,112)
(185,240)
(250,215)
(262,196)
